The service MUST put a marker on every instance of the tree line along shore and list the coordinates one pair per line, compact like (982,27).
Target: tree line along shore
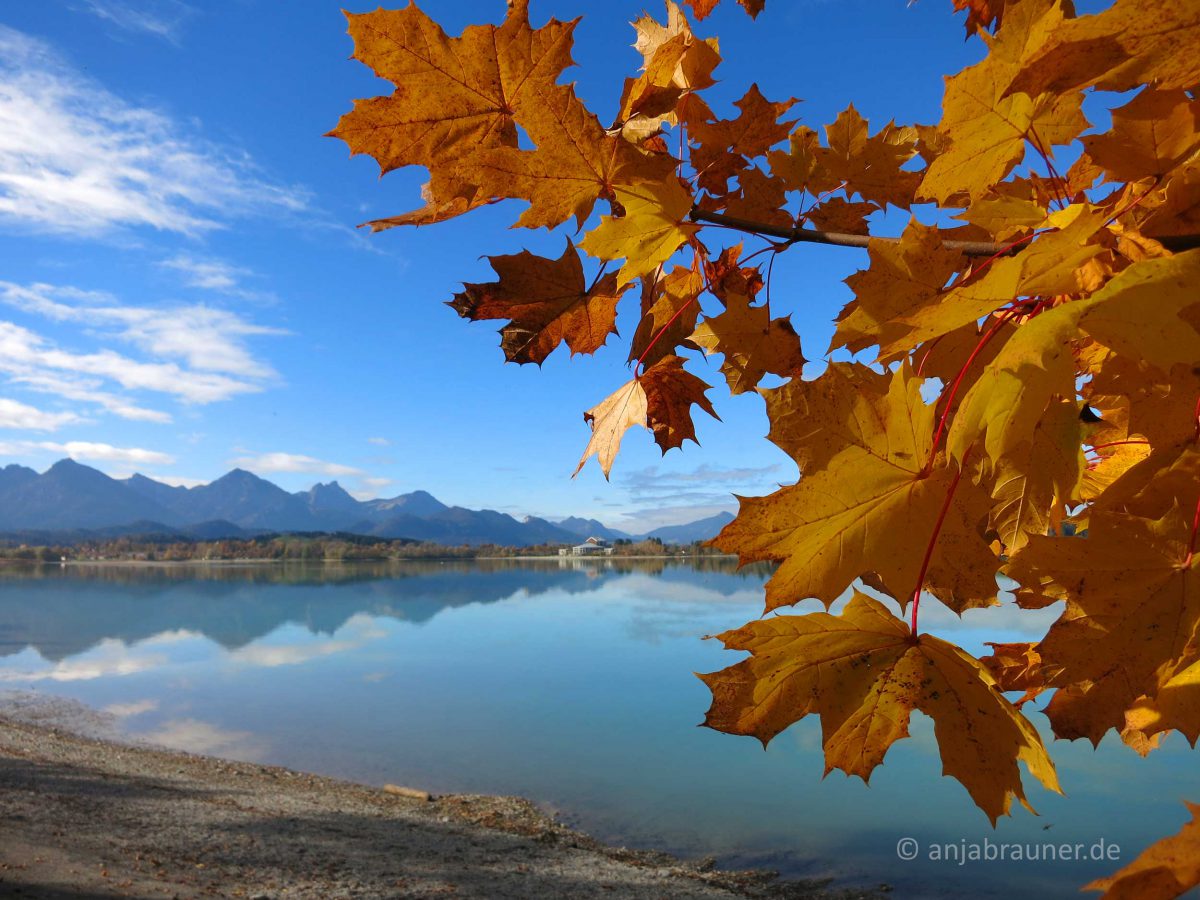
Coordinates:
(306,547)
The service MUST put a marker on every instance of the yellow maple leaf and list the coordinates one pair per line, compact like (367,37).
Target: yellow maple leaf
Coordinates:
(813,421)
(1143,312)
(1174,707)
(841,215)
(574,163)
(1005,215)
(1135,400)
(1109,464)
(1133,592)
(903,277)
(676,64)
(987,127)
(609,420)
(752,343)
(722,148)
(1164,870)
(868,165)
(1016,667)
(1049,266)
(1150,135)
(1039,477)
(1010,397)
(669,313)
(654,225)
(760,198)
(546,302)
(1133,42)
(872,508)
(863,672)
(671,391)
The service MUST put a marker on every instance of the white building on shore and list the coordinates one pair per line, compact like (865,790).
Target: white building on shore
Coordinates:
(593,546)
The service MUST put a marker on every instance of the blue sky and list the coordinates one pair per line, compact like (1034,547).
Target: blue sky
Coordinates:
(182,288)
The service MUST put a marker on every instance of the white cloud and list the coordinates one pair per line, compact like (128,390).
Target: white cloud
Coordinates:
(371,488)
(133,708)
(14,414)
(359,630)
(293,462)
(161,18)
(379,441)
(111,657)
(26,357)
(87,390)
(76,159)
(88,450)
(211,274)
(180,480)
(205,337)
(215,275)
(194,736)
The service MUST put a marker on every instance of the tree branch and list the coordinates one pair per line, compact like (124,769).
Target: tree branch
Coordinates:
(1173,242)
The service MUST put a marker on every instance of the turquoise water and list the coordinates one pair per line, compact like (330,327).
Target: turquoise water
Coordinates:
(566,682)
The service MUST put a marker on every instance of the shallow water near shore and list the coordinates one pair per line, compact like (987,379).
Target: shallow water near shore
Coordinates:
(569,682)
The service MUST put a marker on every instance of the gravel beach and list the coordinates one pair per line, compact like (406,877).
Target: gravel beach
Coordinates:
(82,815)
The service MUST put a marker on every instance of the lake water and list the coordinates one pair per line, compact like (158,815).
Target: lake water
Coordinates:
(568,682)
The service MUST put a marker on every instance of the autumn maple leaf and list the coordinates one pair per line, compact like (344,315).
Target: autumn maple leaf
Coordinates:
(863,672)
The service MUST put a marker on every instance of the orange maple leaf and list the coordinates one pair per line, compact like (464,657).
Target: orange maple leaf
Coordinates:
(864,672)
(1167,869)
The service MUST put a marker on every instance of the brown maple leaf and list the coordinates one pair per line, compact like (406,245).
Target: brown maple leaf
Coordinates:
(453,97)
(723,148)
(547,303)
(863,672)
(659,399)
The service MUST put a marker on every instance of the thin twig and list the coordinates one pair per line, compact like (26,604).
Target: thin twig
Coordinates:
(1173,242)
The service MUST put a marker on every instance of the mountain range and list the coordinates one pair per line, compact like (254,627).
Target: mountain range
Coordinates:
(71,497)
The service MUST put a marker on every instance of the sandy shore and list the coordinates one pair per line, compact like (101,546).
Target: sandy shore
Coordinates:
(84,817)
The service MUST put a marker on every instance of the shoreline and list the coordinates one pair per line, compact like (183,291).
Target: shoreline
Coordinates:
(259,561)
(84,815)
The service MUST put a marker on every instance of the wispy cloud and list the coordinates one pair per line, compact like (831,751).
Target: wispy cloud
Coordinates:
(133,708)
(204,337)
(77,159)
(216,275)
(359,630)
(195,736)
(111,657)
(211,343)
(14,414)
(704,485)
(379,441)
(180,480)
(26,356)
(83,389)
(266,463)
(161,18)
(371,487)
(89,450)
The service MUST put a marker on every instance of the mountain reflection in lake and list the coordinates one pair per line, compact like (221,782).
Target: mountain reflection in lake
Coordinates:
(565,681)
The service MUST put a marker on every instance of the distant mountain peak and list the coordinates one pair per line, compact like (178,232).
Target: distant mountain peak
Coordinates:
(71,496)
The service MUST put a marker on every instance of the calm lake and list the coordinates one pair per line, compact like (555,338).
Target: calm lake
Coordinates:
(566,682)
